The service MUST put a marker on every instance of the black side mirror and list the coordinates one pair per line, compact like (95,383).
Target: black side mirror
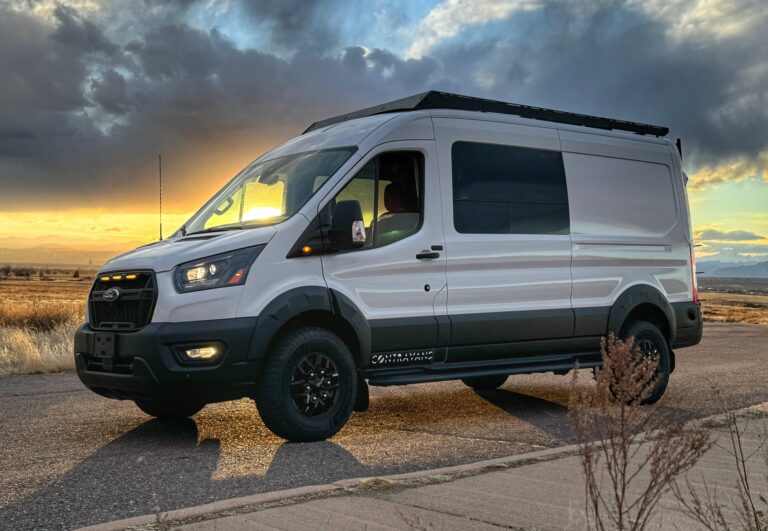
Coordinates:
(347,226)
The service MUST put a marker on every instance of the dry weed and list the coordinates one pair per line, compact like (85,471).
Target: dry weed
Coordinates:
(630,454)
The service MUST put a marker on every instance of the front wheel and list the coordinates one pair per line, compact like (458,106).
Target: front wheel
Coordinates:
(168,410)
(307,385)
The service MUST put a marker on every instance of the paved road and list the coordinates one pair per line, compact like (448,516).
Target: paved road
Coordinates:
(70,458)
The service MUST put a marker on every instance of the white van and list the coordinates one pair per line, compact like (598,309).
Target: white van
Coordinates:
(437,237)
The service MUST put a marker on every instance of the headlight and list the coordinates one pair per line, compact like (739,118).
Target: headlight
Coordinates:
(227,269)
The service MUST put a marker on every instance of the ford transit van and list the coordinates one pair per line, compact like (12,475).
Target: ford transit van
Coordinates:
(437,237)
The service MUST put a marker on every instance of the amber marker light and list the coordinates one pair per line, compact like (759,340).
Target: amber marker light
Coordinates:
(306,249)
(104,279)
(130,277)
(117,277)
(234,279)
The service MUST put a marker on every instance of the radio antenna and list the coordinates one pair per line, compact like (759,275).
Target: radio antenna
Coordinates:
(160,177)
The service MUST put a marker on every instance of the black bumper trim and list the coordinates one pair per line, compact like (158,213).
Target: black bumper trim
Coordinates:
(146,366)
(689,324)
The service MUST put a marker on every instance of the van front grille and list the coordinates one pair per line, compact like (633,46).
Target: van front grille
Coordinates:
(122,301)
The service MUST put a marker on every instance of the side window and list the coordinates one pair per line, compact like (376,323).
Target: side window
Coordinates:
(389,189)
(508,190)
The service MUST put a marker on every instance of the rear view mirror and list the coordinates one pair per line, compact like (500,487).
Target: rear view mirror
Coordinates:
(347,225)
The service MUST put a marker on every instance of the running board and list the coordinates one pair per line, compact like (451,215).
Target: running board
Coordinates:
(449,371)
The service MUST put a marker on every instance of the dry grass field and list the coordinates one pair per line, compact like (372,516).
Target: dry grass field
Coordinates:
(38,316)
(735,307)
(37,322)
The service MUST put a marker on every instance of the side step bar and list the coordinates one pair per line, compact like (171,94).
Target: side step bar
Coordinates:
(448,371)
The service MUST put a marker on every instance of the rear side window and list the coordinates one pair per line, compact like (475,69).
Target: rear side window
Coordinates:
(620,197)
(508,190)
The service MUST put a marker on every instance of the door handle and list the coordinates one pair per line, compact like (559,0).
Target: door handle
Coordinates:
(427,255)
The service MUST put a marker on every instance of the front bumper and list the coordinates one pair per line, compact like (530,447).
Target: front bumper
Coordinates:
(690,324)
(144,365)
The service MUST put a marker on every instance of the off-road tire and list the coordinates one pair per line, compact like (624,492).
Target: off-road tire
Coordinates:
(168,410)
(273,395)
(645,331)
(485,382)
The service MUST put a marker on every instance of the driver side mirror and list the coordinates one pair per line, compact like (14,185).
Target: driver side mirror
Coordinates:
(347,226)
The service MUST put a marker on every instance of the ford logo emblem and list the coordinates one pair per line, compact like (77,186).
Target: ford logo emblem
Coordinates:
(111,295)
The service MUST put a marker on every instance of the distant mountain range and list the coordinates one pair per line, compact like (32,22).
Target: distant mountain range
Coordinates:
(733,270)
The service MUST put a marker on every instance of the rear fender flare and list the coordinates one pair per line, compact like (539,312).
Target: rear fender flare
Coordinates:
(633,297)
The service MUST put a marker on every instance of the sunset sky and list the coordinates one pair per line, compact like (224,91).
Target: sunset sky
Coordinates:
(91,91)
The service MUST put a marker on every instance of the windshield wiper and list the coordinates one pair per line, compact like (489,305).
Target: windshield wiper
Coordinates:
(216,229)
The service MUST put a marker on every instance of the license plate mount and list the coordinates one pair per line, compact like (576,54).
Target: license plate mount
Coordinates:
(104,345)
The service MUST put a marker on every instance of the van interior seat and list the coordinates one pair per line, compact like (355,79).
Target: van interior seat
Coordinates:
(402,213)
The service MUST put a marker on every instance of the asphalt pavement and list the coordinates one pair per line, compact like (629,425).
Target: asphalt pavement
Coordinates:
(70,458)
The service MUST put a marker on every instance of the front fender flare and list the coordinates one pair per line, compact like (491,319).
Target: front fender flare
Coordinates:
(282,309)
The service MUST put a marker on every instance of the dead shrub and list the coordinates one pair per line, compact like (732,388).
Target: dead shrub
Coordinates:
(630,454)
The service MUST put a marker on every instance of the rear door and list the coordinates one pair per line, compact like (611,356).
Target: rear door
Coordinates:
(506,225)
(397,280)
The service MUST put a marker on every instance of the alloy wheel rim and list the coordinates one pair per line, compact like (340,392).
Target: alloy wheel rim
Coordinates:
(315,384)
(648,348)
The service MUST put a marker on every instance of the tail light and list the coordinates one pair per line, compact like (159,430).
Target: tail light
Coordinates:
(695,282)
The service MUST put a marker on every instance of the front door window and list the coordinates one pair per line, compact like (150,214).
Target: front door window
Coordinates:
(389,190)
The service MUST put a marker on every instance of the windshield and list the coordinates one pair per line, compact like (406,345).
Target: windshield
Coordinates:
(268,192)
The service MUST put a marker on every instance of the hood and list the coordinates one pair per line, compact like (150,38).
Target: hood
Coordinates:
(167,254)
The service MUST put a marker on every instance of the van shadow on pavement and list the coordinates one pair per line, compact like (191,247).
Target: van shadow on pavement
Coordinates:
(166,465)
(546,415)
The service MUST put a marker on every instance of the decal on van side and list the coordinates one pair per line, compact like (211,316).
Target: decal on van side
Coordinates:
(403,358)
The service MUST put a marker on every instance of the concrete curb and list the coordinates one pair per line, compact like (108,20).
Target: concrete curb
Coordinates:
(359,485)
(344,486)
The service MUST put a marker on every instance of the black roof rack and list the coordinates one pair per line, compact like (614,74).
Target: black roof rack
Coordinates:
(445,100)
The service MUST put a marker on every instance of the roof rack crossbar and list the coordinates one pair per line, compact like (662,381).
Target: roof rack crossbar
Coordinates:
(444,100)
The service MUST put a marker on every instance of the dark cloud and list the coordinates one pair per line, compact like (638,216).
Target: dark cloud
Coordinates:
(617,61)
(110,93)
(89,121)
(732,235)
(297,24)
(86,103)
(78,33)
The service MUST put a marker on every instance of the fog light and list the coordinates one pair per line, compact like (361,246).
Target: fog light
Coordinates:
(202,353)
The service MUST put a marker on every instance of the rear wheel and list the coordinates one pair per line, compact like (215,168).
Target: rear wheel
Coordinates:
(169,410)
(485,382)
(307,385)
(651,342)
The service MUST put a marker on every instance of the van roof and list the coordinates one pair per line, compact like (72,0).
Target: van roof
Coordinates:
(444,100)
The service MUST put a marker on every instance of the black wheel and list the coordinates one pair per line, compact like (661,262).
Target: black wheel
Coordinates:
(168,410)
(307,386)
(651,342)
(485,382)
